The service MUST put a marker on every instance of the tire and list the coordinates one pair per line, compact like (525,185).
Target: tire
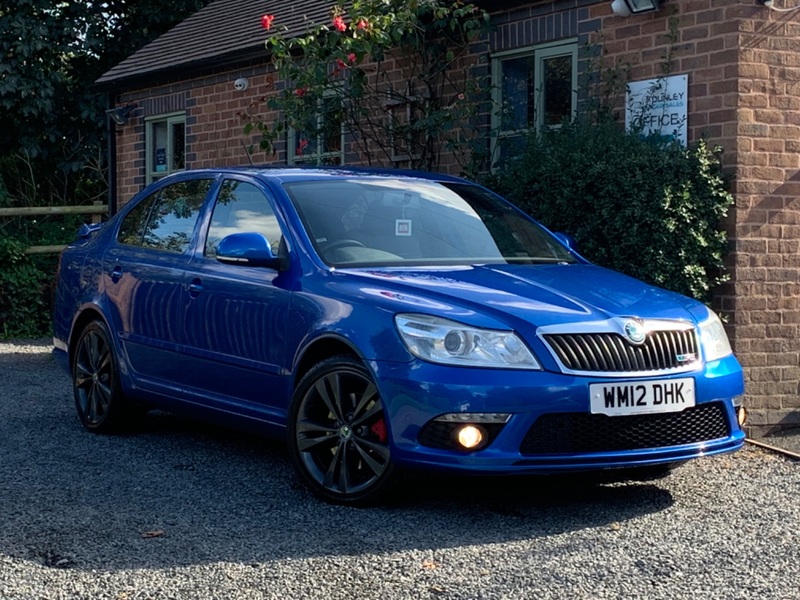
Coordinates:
(101,406)
(338,434)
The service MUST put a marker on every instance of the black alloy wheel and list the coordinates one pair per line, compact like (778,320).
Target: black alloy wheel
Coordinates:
(95,381)
(338,435)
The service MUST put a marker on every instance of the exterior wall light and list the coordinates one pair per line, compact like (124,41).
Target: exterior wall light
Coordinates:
(121,114)
(626,8)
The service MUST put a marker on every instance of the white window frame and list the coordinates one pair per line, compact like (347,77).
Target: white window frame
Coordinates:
(170,119)
(540,53)
(317,157)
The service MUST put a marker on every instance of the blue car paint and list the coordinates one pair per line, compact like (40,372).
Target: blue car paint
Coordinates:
(312,302)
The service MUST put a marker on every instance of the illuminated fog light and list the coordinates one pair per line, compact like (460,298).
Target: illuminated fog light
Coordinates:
(470,436)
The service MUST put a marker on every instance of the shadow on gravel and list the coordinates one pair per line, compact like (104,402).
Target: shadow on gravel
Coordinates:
(182,493)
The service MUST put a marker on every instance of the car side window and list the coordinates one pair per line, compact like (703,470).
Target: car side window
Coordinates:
(165,220)
(131,231)
(242,207)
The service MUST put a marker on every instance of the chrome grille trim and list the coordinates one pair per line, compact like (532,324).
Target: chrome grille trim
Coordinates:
(603,349)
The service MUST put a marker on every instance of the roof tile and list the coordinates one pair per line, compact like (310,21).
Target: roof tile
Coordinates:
(221,29)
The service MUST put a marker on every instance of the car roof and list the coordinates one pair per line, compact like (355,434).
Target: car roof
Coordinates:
(288,174)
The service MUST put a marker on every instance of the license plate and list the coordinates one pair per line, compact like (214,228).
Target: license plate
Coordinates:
(641,397)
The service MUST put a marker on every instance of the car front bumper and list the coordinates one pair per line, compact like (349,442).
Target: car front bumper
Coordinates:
(550,428)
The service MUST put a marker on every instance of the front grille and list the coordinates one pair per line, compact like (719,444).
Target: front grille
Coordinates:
(611,352)
(568,433)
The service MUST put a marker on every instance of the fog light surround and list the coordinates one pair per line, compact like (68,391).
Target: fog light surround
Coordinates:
(464,432)
(474,418)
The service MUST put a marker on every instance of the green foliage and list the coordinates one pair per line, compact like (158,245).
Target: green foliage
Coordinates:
(638,205)
(24,292)
(52,127)
(52,120)
(394,74)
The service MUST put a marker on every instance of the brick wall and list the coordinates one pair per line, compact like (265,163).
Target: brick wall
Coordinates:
(743,62)
(765,294)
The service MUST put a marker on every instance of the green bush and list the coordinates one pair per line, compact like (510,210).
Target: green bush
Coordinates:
(24,292)
(26,281)
(643,206)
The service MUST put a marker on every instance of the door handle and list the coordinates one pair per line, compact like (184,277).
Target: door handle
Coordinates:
(116,274)
(195,288)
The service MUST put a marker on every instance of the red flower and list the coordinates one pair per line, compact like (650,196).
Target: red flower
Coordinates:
(340,64)
(351,57)
(266,21)
(338,23)
(300,92)
(362,24)
(301,146)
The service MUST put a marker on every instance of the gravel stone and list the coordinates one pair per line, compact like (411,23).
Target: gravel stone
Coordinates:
(185,510)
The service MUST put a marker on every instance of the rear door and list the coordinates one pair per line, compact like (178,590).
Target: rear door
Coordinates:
(236,318)
(143,274)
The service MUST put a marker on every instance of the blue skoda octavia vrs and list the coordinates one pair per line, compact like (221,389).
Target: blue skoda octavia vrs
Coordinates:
(383,321)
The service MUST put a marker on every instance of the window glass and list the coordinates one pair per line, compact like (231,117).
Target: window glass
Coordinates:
(403,221)
(131,231)
(174,215)
(518,89)
(242,208)
(165,140)
(407,137)
(557,101)
(320,141)
(534,87)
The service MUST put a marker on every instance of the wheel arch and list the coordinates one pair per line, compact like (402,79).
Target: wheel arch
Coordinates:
(320,349)
(86,316)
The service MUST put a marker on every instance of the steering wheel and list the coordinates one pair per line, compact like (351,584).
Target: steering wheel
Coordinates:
(341,244)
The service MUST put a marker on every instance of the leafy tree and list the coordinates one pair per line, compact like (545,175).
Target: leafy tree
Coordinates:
(51,119)
(52,126)
(398,76)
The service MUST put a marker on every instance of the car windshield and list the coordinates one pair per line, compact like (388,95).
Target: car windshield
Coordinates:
(384,221)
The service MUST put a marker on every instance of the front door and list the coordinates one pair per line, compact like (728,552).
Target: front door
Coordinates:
(236,319)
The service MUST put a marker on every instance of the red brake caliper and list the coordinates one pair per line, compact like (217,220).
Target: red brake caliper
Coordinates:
(379,429)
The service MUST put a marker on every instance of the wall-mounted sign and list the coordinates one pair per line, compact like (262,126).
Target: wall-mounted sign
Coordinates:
(658,106)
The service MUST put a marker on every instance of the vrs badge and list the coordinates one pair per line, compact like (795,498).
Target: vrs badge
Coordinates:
(634,331)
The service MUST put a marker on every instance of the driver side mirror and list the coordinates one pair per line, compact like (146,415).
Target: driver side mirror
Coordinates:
(249,249)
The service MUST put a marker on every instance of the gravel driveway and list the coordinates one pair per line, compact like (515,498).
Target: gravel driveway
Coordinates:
(181,510)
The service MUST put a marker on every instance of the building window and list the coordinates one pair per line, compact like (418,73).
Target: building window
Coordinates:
(533,88)
(321,141)
(165,139)
(407,138)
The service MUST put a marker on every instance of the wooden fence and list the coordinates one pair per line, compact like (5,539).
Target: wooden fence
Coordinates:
(97,209)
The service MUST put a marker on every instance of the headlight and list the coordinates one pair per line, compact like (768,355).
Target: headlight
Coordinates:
(443,341)
(714,339)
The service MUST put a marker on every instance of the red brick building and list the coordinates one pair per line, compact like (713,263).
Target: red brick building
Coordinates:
(742,66)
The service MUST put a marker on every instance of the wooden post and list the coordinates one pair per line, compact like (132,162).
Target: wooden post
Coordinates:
(96,217)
